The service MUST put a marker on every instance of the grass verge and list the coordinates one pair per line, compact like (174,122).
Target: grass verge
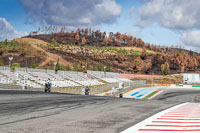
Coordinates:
(150,95)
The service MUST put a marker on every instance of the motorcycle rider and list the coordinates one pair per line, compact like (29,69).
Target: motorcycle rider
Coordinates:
(48,85)
(87,90)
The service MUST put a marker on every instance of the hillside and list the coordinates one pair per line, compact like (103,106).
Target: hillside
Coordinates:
(118,52)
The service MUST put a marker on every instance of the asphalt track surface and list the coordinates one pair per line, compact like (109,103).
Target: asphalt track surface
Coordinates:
(38,112)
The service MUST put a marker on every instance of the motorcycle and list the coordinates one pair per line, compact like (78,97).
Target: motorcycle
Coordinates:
(47,88)
(87,90)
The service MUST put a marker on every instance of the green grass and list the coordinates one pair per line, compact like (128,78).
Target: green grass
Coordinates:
(114,50)
(150,95)
(11,46)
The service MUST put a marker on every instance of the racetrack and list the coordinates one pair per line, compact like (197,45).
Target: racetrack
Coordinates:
(180,95)
(23,111)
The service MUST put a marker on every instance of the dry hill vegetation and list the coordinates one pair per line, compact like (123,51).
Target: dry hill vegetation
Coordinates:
(167,79)
(94,50)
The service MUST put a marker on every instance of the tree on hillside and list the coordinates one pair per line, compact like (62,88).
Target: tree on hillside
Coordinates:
(144,54)
(133,41)
(86,32)
(62,29)
(138,65)
(77,38)
(1,62)
(1,50)
(103,35)
(124,38)
(57,67)
(110,38)
(105,41)
(138,42)
(129,40)
(165,68)
(118,36)
(83,41)
(33,64)
(182,67)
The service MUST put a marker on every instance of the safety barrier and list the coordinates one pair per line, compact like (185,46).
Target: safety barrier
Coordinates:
(93,89)
(80,90)
(16,87)
(174,85)
(101,88)
(160,85)
(10,86)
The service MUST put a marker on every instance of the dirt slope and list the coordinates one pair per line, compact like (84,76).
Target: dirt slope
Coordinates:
(50,57)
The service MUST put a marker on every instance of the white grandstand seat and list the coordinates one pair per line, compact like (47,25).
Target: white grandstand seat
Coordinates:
(109,77)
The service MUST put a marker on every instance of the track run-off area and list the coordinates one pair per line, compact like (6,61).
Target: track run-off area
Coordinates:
(144,93)
(150,109)
(154,92)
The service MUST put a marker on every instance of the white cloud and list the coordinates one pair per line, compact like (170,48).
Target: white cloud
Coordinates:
(7,31)
(75,13)
(174,14)
(181,16)
(191,39)
(131,12)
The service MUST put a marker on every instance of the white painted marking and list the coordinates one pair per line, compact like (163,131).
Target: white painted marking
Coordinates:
(171,123)
(128,94)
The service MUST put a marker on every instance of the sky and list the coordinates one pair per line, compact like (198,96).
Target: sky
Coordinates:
(158,22)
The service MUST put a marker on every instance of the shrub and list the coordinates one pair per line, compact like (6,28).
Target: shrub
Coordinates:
(68,68)
(34,65)
(54,43)
(77,66)
(1,62)
(108,66)
(14,65)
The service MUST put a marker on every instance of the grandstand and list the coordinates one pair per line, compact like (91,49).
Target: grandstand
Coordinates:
(109,77)
(36,78)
